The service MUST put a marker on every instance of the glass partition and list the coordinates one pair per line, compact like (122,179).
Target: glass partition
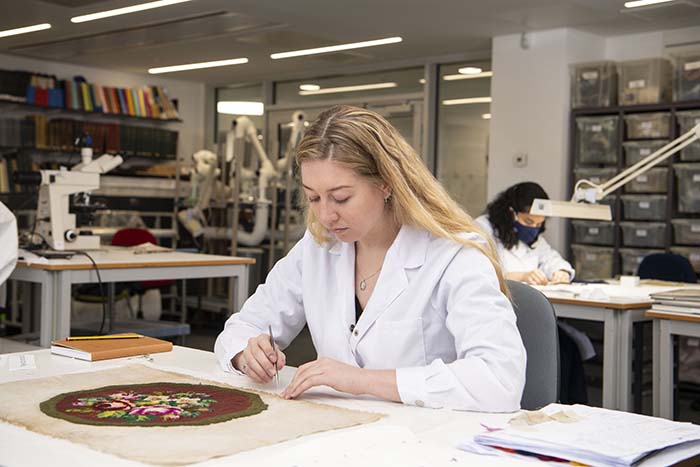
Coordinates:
(359,86)
(464,94)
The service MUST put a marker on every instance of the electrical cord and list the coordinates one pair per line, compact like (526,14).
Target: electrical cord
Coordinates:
(102,293)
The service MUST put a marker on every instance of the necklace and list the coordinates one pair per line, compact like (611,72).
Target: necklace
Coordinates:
(363,282)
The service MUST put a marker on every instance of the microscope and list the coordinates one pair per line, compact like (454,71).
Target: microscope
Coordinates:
(54,221)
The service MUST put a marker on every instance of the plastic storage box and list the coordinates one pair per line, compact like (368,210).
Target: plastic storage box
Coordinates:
(595,175)
(693,255)
(597,139)
(593,232)
(688,176)
(686,121)
(644,207)
(592,263)
(635,151)
(652,181)
(686,231)
(686,76)
(593,84)
(644,81)
(631,258)
(649,234)
(649,125)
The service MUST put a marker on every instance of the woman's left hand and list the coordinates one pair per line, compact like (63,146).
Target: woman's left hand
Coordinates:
(561,276)
(324,372)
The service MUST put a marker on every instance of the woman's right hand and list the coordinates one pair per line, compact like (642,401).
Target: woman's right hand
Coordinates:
(258,359)
(534,277)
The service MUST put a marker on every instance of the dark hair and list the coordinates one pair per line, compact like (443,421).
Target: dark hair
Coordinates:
(517,198)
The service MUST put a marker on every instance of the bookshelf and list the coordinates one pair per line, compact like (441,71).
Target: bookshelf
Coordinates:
(12,106)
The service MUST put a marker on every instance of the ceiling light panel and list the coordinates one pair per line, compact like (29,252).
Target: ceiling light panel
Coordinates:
(197,66)
(640,3)
(358,87)
(125,10)
(25,30)
(336,48)
(483,74)
(240,108)
(467,100)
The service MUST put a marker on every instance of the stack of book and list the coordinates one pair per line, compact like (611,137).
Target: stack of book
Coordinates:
(683,301)
(589,436)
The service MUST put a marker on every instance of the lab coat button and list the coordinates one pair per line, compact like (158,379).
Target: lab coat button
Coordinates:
(420,403)
(356,332)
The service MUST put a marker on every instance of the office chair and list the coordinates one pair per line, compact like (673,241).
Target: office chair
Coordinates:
(667,267)
(537,324)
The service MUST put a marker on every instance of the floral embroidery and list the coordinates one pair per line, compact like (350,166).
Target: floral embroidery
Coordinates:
(155,404)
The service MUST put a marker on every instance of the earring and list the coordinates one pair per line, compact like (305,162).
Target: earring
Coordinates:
(387,199)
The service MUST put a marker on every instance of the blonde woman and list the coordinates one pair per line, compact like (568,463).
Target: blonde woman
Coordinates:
(402,293)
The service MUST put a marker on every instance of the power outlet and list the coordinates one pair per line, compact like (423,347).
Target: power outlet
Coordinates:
(520,160)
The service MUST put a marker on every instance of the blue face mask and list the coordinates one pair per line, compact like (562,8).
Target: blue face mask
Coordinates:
(526,234)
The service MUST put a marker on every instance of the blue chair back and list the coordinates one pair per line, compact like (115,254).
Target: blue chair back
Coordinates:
(667,267)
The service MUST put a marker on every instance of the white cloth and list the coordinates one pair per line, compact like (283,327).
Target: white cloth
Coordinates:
(436,315)
(8,240)
(523,258)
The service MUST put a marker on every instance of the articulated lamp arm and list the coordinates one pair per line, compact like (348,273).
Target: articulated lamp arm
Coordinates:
(587,194)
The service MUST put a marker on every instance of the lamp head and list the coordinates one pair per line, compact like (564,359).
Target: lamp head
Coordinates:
(571,209)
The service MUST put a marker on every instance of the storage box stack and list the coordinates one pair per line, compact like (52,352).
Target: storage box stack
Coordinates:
(597,158)
(659,210)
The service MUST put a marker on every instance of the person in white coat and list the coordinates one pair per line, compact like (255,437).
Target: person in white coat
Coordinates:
(525,255)
(402,293)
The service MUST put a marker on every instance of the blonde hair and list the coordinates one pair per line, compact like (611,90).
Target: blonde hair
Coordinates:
(366,143)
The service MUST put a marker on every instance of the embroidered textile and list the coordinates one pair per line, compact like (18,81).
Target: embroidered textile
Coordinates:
(283,420)
(154,404)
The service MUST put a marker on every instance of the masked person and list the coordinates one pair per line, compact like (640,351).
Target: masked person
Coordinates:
(402,293)
(525,254)
(527,257)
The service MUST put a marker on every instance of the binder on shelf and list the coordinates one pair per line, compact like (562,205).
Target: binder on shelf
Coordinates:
(105,349)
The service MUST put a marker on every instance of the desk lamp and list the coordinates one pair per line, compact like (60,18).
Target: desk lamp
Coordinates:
(587,194)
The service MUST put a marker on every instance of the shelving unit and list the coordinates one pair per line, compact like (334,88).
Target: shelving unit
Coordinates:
(598,254)
(142,147)
(9,106)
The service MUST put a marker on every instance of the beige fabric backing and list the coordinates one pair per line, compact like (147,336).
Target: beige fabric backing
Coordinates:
(283,420)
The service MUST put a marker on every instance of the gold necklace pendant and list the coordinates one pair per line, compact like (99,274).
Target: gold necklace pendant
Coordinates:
(363,285)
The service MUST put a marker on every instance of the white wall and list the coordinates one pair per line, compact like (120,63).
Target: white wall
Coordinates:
(189,95)
(530,111)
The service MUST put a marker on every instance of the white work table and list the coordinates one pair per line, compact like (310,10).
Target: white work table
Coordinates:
(407,436)
(116,264)
(618,308)
(666,326)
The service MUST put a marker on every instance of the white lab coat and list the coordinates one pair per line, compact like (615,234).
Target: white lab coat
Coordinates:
(436,315)
(8,240)
(523,258)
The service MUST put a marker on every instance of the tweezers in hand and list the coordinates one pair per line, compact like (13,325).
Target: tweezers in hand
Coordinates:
(277,373)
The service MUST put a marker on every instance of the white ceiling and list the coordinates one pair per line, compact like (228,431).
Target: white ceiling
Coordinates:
(204,30)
